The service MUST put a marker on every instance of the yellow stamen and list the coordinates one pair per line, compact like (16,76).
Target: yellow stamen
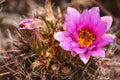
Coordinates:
(85,38)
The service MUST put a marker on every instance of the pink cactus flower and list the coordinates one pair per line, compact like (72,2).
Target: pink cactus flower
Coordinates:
(31,30)
(84,34)
(30,24)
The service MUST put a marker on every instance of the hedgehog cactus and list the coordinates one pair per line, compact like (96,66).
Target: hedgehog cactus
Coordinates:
(80,36)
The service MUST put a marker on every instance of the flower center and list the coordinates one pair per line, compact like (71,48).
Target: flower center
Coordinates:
(85,38)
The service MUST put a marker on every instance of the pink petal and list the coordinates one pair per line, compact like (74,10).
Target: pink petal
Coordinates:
(84,57)
(73,53)
(75,36)
(106,39)
(72,15)
(81,26)
(85,20)
(26,24)
(95,15)
(100,29)
(76,48)
(79,50)
(26,21)
(92,47)
(97,52)
(108,20)
(85,17)
(74,44)
(60,35)
(70,26)
(66,43)
(95,10)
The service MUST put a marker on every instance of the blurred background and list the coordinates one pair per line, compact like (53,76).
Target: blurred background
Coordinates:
(13,11)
